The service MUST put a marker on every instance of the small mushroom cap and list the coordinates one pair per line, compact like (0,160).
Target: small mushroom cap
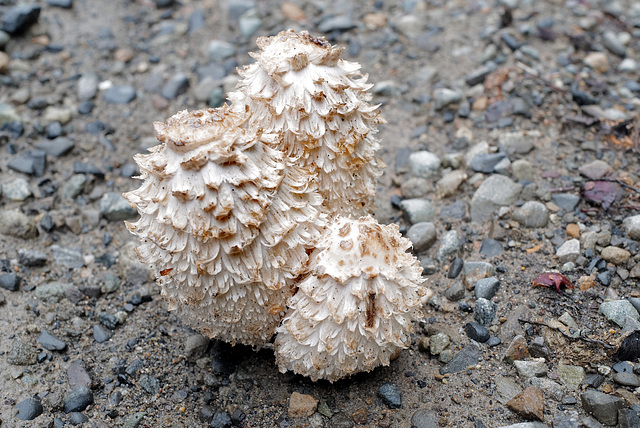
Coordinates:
(353,316)
(185,130)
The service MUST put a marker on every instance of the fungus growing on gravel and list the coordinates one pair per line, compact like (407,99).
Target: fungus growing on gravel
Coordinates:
(224,226)
(235,200)
(299,87)
(354,310)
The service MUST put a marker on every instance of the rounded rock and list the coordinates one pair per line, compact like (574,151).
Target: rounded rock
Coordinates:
(424,164)
(422,236)
(391,395)
(532,214)
(78,399)
(29,409)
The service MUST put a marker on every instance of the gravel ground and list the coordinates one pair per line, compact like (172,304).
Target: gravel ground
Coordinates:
(512,151)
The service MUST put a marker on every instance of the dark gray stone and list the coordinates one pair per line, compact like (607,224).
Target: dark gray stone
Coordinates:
(486,288)
(18,18)
(119,94)
(603,407)
(65,4)
(566,201)
(477,76)
(78,399)
(10,281)
(486,162)
(467,356)
(491,248)
(455,292)
(221,420)
(176,85)
(57,147)
(32,258)
(29,409)
(477,332)
(77,418)
(484,311)
(391,395)
(50,342)
(629,418)
(108,320)
(627,379)
(101,334)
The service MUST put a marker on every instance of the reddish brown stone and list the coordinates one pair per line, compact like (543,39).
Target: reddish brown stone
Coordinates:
(528,404)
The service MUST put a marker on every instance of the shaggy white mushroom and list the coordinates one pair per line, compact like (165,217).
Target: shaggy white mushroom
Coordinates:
(223,224)
(354,310)
(300,87)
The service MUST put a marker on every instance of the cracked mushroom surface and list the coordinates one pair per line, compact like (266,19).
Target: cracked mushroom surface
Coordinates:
(354,310)
(224,223)
(300,87)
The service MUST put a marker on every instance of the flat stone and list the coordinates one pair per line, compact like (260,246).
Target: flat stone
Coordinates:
(57,147)
(486,162)
(467,356)
(302,405)
(506,389)
(415,187)
(50,342)
(424,418)
(219,50)
(68,257)
(532,214)
(78,375)
(73,187)
(475,271)
(119,94)
(615,255)
(517,350)
(520,142)
(101,334)
(32,258)
(529,403)
(422,236)
(491,248)
(533,368)
(449,246)
(78,399)
(596,169)
(418,210)
(29,409)
(627,379)
(617,310)
(570,376)
(51,291)
(22,353)
(569,251)
(495,192)
(566,201)
(114,207)
(424,164)
(611,41)
(176,85)
(486,288)
(603,407)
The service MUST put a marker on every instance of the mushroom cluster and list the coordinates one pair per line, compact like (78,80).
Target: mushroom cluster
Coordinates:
(254,216)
